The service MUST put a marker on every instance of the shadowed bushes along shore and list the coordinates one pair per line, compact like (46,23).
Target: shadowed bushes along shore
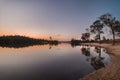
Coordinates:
(22,41)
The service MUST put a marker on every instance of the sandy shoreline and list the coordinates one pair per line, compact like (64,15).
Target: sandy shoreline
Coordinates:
(112,71)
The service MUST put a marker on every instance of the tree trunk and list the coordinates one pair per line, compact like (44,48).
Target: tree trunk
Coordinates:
(99,39)
(113,37)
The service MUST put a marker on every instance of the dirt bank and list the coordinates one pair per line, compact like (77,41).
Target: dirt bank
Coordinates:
(112,71)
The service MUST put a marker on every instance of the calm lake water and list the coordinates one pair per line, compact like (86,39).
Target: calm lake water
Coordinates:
(62,62)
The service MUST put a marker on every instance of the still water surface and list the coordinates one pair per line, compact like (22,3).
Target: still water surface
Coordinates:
(62,62)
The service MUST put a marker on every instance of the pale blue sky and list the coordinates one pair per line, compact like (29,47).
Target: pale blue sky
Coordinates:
(63,19)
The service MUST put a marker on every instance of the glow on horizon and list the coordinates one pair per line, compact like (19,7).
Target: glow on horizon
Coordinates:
(8,32)
(63,20)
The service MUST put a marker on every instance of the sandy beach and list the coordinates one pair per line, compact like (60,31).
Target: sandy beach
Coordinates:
(110,72)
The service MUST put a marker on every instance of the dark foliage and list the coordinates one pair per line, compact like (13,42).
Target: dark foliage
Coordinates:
(22,41)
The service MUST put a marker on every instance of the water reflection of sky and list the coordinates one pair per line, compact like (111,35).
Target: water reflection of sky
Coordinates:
(63,61)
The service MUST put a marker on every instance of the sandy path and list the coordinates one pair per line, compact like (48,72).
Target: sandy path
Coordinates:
(112,71)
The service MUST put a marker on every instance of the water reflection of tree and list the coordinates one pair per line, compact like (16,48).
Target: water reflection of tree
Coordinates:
(51,45)
(98,50)
(95,61)
(85,51)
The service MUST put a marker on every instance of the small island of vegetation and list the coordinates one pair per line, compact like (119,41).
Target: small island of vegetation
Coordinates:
(17,41)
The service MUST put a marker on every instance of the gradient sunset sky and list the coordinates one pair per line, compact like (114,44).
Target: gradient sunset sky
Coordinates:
(61,19)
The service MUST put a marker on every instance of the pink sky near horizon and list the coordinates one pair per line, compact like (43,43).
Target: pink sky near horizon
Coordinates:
(60,19)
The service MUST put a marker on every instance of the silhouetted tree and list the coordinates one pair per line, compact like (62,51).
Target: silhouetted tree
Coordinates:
(96,37)
(96,28)
(75,42)
(112,23)
(117,28)
(50,38)
(104,38)
(85,36)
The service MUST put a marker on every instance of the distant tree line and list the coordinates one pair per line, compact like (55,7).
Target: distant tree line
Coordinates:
(22,41)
